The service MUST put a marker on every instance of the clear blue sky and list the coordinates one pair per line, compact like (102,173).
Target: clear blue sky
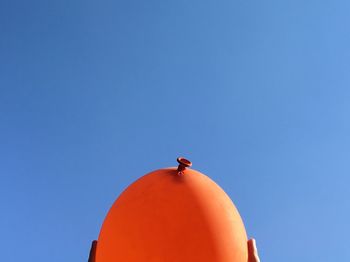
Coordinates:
(94,94)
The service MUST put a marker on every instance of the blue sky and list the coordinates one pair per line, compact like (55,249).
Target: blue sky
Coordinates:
(94,94)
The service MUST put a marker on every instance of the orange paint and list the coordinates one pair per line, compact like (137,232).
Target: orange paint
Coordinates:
(167,217)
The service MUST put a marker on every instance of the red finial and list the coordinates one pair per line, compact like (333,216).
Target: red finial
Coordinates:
(183,164)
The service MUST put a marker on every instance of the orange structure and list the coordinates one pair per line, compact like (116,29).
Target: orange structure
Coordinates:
(173,215)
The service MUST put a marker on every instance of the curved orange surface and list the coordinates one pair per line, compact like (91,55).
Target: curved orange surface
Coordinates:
(164,217)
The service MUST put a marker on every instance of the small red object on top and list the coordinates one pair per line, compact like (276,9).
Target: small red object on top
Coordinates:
(183,164)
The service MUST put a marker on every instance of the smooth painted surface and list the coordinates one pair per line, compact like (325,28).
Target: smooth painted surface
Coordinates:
(167,217)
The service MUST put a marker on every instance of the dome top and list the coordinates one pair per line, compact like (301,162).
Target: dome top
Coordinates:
(173,214)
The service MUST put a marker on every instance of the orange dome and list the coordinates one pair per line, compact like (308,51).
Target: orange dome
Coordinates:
(169,217)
